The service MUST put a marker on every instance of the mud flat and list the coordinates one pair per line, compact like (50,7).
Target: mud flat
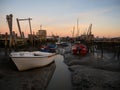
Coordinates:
(93,73)
(34,79)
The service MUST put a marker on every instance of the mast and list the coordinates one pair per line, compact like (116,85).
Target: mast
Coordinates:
(77,27)
(89,33)
(89,30)
(73,31)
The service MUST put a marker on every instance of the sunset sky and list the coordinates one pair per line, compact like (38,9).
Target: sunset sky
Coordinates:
(60,16)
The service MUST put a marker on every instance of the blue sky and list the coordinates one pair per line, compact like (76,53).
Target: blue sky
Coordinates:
(59,16)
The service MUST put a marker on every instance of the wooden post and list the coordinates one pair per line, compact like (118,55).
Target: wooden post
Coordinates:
(34,39)
(118,53)
(9,19)
(13,39)
(31,32)
(6,42)
(92,47)
(102,50)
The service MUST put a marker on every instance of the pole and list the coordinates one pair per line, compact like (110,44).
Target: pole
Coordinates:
(73,32)
(31,31)
(40,27)
(77,28)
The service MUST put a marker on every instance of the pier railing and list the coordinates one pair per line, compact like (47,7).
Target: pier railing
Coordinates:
(108,49)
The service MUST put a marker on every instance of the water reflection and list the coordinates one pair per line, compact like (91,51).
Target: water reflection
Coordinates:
(61,79)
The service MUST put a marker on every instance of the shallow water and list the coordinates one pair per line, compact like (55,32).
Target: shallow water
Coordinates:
(61,79)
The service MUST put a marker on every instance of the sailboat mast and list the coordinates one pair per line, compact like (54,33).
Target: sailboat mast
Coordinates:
(77,27)
(73,32)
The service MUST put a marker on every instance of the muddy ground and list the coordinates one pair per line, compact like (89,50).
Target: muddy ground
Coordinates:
(93,73)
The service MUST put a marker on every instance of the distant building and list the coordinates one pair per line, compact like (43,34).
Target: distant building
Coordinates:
(42,34)
(29,36)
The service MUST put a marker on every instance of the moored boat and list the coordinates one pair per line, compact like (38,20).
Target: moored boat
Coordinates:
(48,48)
(79,49)
(29,60)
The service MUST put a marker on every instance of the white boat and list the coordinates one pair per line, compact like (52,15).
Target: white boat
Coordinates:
(29,60)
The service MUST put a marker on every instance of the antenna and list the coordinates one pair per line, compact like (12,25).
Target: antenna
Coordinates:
(41,27)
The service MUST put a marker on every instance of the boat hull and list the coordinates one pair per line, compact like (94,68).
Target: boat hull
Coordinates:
(25,63)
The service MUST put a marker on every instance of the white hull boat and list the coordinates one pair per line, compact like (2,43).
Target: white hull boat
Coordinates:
(29,60)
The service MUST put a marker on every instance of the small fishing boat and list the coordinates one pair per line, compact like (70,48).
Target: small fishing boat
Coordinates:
(79,49)
(48,48)
(29,60)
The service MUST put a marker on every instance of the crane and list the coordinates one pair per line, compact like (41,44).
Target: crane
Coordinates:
(21,33)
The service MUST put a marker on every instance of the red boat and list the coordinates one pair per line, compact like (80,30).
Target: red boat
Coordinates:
(79,49)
